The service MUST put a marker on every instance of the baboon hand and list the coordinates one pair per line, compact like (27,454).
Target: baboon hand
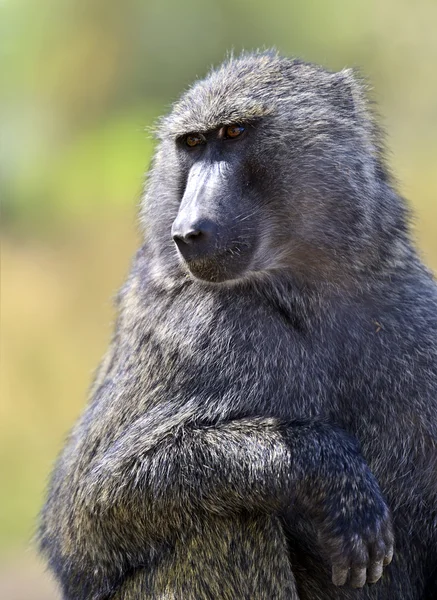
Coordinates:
(359,552)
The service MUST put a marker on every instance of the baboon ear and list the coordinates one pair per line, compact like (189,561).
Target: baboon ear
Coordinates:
(348,92)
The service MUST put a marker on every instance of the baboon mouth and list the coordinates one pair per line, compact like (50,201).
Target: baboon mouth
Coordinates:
(229,263)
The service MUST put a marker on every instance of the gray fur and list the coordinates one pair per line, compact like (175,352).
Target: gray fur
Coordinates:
(218,455)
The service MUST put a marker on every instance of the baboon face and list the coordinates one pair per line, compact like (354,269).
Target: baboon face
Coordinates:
(216,230)
(266,169)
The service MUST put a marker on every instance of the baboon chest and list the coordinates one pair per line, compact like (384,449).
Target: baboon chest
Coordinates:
(241,357)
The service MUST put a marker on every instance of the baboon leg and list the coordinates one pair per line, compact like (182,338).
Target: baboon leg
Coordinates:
(225,559)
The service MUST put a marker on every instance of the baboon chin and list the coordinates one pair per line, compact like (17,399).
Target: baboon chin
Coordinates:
(228,265)
(275,439)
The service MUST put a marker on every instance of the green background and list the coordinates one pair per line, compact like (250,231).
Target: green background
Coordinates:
(81,80)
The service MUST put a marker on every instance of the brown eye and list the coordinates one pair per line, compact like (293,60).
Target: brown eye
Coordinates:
(194,139)
(233,131)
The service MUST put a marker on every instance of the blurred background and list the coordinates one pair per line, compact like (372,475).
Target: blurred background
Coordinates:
(81,80)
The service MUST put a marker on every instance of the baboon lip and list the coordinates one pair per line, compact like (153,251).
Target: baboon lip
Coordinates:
(221,266)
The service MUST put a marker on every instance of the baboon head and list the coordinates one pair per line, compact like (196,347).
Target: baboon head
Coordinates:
(267,164)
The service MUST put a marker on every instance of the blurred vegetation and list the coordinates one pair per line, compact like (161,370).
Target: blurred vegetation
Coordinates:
(81,80)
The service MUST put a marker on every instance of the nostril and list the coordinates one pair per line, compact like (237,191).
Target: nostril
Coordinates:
(189,237)
(192,235)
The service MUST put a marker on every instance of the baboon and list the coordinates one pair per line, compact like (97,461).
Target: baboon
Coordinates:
(265,420)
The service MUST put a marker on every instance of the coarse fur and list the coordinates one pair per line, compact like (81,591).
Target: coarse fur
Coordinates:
(218,456)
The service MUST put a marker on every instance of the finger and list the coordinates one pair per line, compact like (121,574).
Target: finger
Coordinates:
(339,575)
(377,550)
(374,571)
(388,556)
(389,543)
(358,577)
(377,553)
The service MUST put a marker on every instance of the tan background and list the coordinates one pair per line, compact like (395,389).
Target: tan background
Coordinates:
(81,79)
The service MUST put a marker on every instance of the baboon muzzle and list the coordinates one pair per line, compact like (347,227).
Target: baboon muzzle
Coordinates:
(200,228)
(206,230)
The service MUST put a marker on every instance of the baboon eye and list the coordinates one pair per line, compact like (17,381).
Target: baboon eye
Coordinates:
(233,131)
(194,139)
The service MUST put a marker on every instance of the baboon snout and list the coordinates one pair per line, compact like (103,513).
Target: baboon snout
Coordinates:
(195,239)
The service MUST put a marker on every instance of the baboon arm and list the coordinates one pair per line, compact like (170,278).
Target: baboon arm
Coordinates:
(247,464)
(258,464)
(139,495)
